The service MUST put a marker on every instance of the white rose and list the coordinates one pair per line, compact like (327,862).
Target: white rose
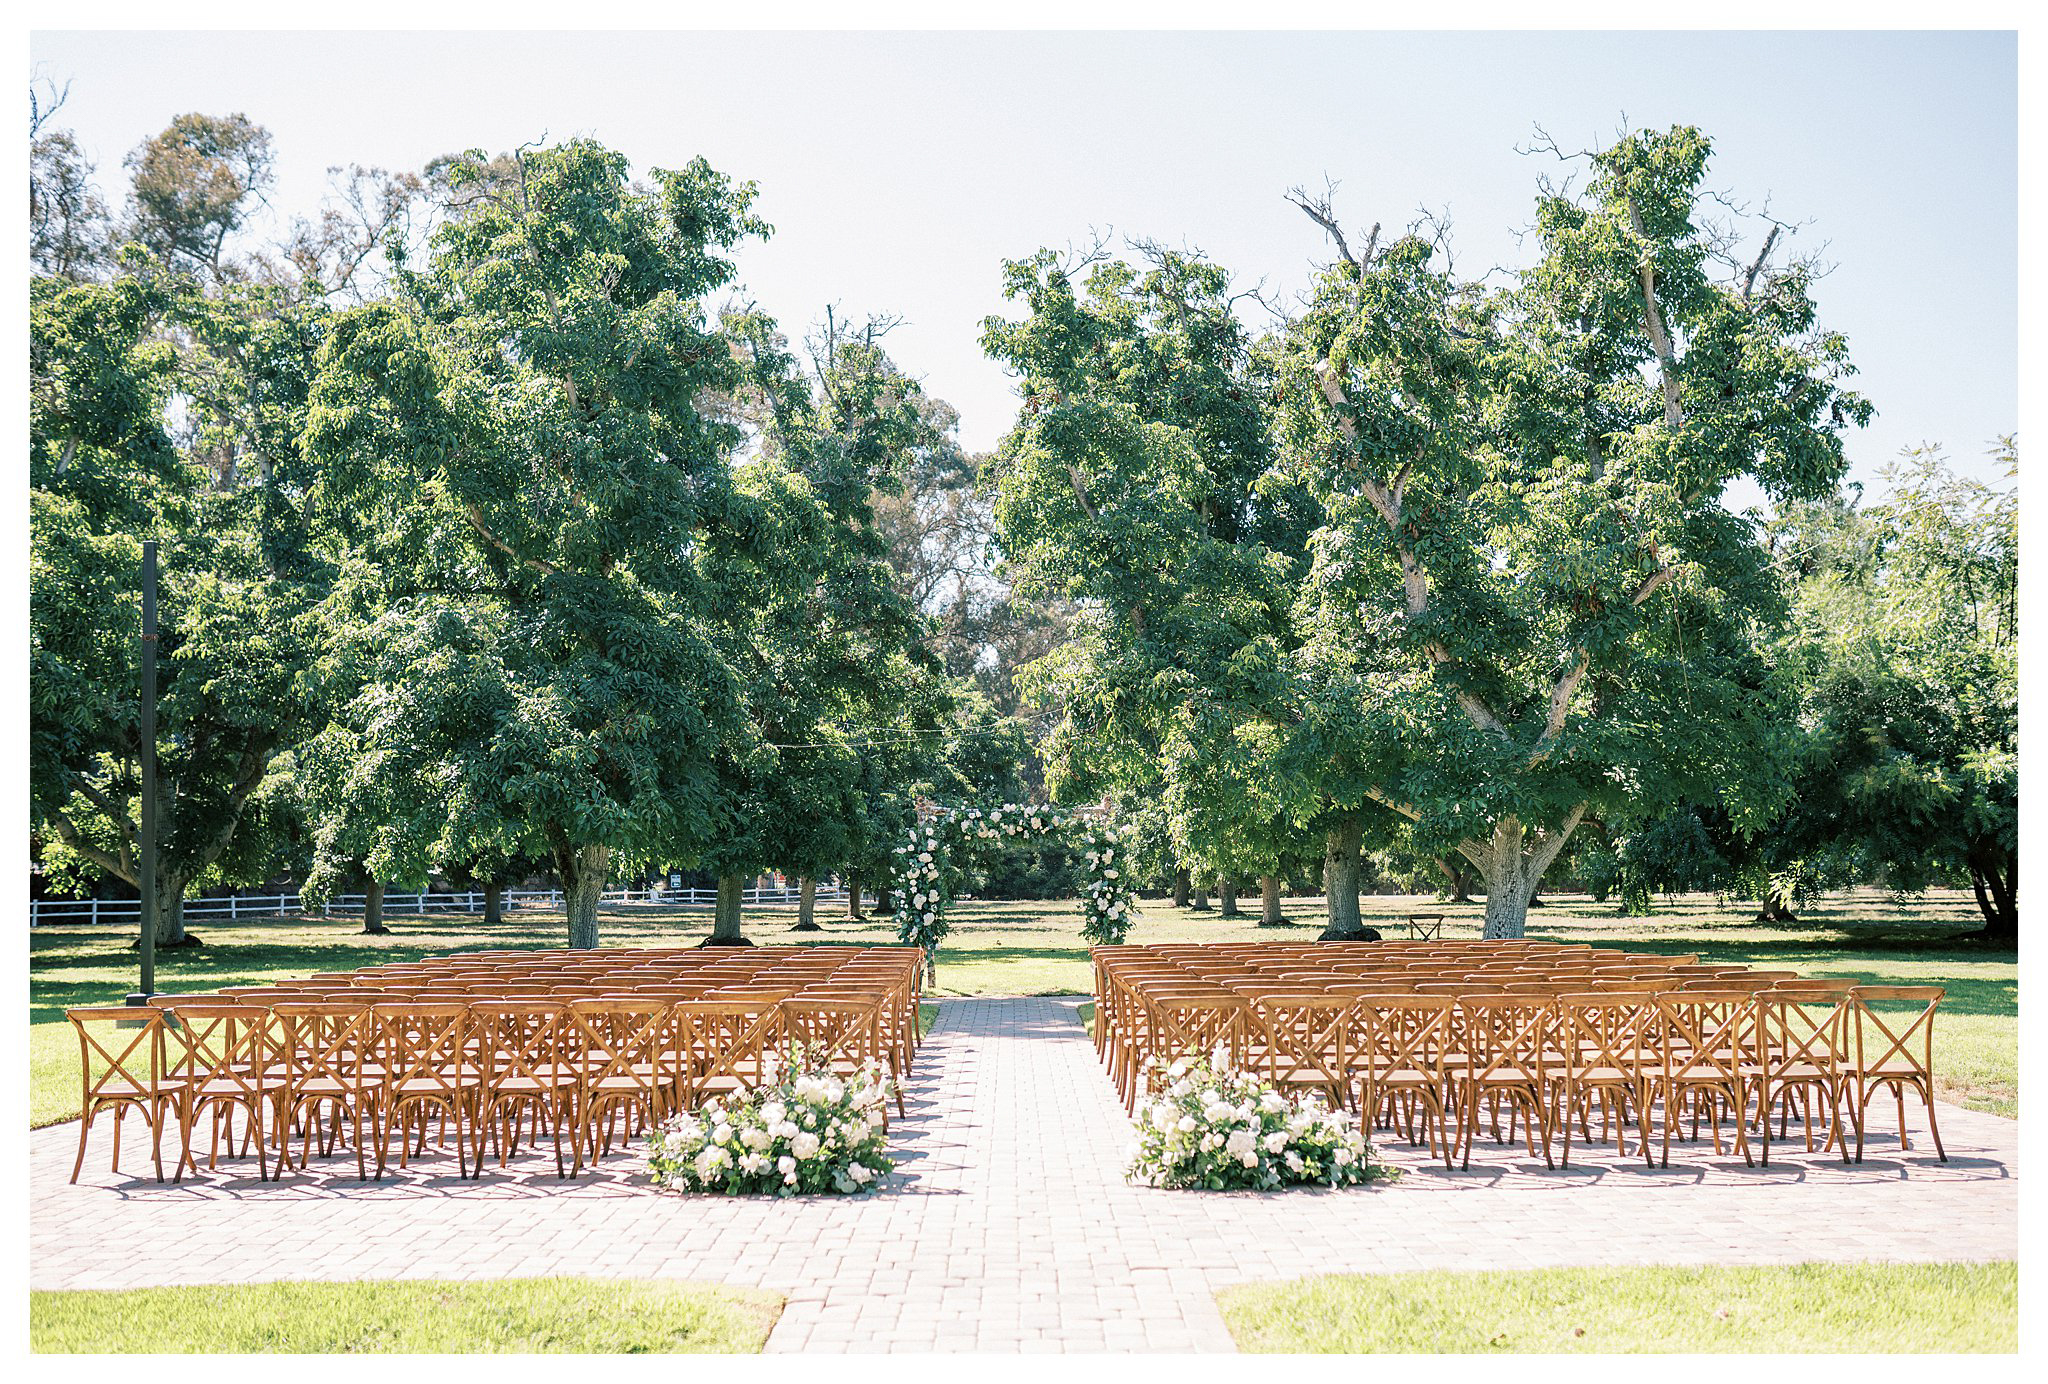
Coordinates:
(773,1112)
(1294,1163)
(1345,1157)
(1276,1141)
(1187,1124)
(786,1165)
(1242,1147)
(860,1173)
(805,1146)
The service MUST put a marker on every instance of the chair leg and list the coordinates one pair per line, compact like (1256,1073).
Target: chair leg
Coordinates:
(84,1128)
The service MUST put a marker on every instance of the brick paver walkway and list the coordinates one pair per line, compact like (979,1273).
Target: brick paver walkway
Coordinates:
(1008,1225)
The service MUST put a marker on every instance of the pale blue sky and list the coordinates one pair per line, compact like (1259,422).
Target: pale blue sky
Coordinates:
(900,169)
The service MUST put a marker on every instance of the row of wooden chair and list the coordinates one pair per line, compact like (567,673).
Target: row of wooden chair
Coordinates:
(1435,1038)
(482,1050)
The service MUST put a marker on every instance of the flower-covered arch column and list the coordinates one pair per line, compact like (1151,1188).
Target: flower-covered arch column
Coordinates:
(926,868)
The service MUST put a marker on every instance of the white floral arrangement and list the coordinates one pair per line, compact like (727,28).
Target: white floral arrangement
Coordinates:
(805,1130)
(923,871)
(1206,1126)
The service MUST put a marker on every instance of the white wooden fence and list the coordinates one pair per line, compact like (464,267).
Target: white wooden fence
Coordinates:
(92,911)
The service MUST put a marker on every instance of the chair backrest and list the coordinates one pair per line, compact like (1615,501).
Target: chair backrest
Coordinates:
(120,1050)
(1706,1034)
(1605,1028)
(520,1040)
(725,1039)
(224,1048)
(1506,1034)
(423,1047)
(1403,1033)
(831,1028)
(1296,1032)
(1802,1024)
(328,1043)
(1893,1041)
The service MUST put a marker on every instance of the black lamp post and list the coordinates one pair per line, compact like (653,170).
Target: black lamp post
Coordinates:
(147,874)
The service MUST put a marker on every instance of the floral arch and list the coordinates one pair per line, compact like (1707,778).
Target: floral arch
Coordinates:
(927,867)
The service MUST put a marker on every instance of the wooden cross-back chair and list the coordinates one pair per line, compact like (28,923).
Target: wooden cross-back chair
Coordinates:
(528,1070)
(1602,1053)
(624,1063)
(1894,1050)
(1506,1037)
(227,1057)
(332,1074)
(423,1048)
(1707,1039)
(1403,1040)
(1802,1045)
(121,1064)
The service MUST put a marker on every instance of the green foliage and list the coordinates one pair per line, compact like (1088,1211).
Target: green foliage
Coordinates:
(1903,662)
(1454,550)
(544,528)
(238,580)
(196,184)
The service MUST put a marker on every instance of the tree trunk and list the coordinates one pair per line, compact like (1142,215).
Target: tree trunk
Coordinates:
(1200,902)
(853,913)
(1340,883)
(885,901)
(806,906)
(170,917)
(1226,897)
(494,903)
(583,875)
(373,908)
(1180,888)
(1772,909)
(725,919)
(1460,876)
(1997,884)
(1512,862)
(1269,902)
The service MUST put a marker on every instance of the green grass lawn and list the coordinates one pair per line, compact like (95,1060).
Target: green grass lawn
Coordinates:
(631,1316)
(1799,1308)
(1036,949)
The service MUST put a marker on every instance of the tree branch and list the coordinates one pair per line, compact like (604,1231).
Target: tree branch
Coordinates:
(1653,322)
(476,521)
(111,811)
(119,868)
(1560,705)
(1320,211)
(1651,583)
(1756,266)
(1414,578)
(1393,805)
